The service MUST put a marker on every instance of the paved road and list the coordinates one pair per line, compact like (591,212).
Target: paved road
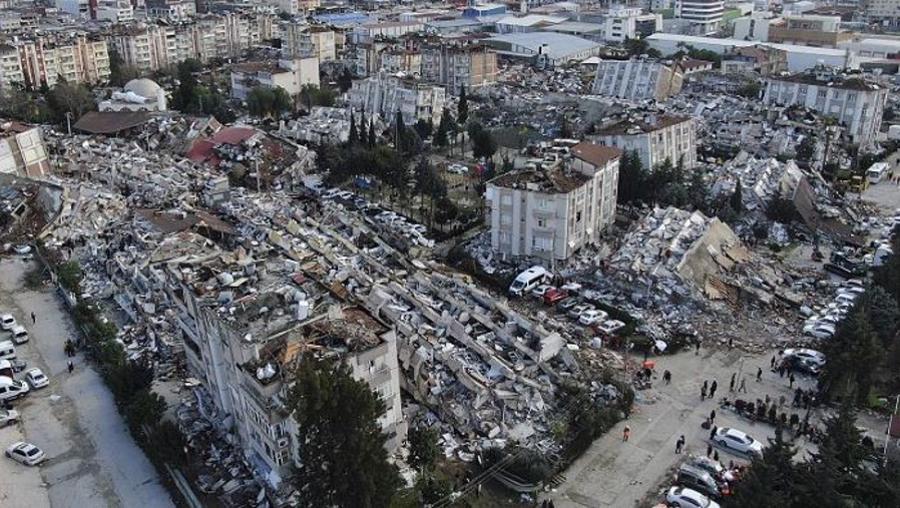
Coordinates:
(617,474)
(92,459)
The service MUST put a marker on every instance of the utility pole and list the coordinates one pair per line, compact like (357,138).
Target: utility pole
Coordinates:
(69,122)
(887,434)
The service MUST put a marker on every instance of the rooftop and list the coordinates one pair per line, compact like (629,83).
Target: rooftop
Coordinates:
(549,182)
(833,81)
(597,155)
(641,124)
(556,45)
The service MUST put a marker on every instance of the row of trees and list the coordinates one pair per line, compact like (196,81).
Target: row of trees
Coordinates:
(864,352)
(263,101)
(194,98)
(47,105)
(842,473)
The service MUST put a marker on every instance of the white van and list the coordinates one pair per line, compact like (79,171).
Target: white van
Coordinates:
(877,172)
(7,350)
(19,334)
(528,280)
(11,389)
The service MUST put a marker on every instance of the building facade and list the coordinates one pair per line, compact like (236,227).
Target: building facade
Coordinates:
(551,214)
(22,151)
(809,30)
(856,104)
(654,138)
(385,95)
(77,60)
(455,66)
(636,79)
(704,16)
(623,23)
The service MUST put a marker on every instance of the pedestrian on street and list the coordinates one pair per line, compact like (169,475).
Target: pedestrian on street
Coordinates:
(712,432)
(716,455)
(731,384)
(768,399)
(667,377)
(712,389)
(709,450)
(743,387)
(772,363)
(703,392)
(758,374)
(71,366)
(697,351)
(712,416)
(626,433)
(679,445)
(791,379)
(33,318)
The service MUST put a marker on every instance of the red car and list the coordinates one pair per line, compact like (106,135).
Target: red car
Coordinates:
(554,295)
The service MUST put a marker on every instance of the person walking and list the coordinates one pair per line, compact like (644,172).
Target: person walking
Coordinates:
(679,445)
(743,387)
(712,432)
(731,384)
(33,318)
(709,450)
(772,362)
(712,416)
(712,389)
(703,391)
(71,366)
(758,374)
(791,379)
(667,377)
(716,455)
(626,433)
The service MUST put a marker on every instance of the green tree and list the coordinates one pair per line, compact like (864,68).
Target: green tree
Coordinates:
(852,353)
(260,101)
(483,142)
(423,448)
(632,178)
(698,191)
(423,128)
(343,461)
(565,129)
(462,107)
(770,479)
(884,313)
(119,73)
(433,488)
(281,101)
(372,138)
(145,408)
(72,98)
(353,136)
(781,209)
(311,95)
(636,47)
(70,275)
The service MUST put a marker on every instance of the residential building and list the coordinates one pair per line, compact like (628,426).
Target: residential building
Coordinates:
(22,151)
(654,137)
(528,23)
(369,31)
(171,9)
(760,59)
(885,11)
(289,75)
(550,214)
(754,27)
(809,30)
(703,16)
(295,7)
(10,66)
(623,23)
(400,60)
(637,79)
(77,60)
(455,66)
(854,102)
(77,8)
(385,95)
(115,11)
(323,43)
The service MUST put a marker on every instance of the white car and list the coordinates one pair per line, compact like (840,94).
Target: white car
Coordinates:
(819,330)
(853,290)
(737,441)
(541,290)
(36,378)
(688,498)
(26,453)
(610,326)
(576,311)
(22,249)
(8,417)
(845,298)
(7,322)
(592,316)
(19,334)
(811,355)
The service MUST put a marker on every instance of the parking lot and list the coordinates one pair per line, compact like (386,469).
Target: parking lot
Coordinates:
(91,458)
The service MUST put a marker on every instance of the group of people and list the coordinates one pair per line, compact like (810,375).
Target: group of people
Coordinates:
(70,353)
(708,390)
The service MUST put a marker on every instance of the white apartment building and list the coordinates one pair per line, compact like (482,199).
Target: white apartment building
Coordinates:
(10,66)
(115,11)
(854,102)
(636,79)
(654,138)
(289,75)
(550,214)
(885,11)
(22,151)
(79,60)
(76,8)
(623,23)
(385,95)
(703,16)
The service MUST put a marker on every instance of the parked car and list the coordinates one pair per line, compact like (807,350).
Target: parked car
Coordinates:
(698,479)
(803,365)
(554,295)
(7,321)
(541,290)
(819,330)
(681,497)
(567,304)
(812,355)
(19,334)
(610,326)
(11,389)
(36,378)
(592,316)
(26,453)
(8,417)
(737,441)
(718,472)
(22,249)
(576,311)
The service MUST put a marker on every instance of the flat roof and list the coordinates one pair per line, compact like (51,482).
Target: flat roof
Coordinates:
(557,45)
(553,181)
(110,122)
(646,123)
(696,39)
(597,155)
(838,81)
(575,27)
(530,20)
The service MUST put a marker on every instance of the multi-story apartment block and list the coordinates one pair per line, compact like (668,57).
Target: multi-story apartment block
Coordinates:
(399,60)
(637,79)
(246,325)
(171,9)
(855,103)
(78,60)
(385,95)
(115,11)
(882,10)
(703,16)
(298,40)
(294,7)
(455,66)
(760,59)
(623,23)
(323,43)
(654,138)
(10,66)
(289,75)
(550,214)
